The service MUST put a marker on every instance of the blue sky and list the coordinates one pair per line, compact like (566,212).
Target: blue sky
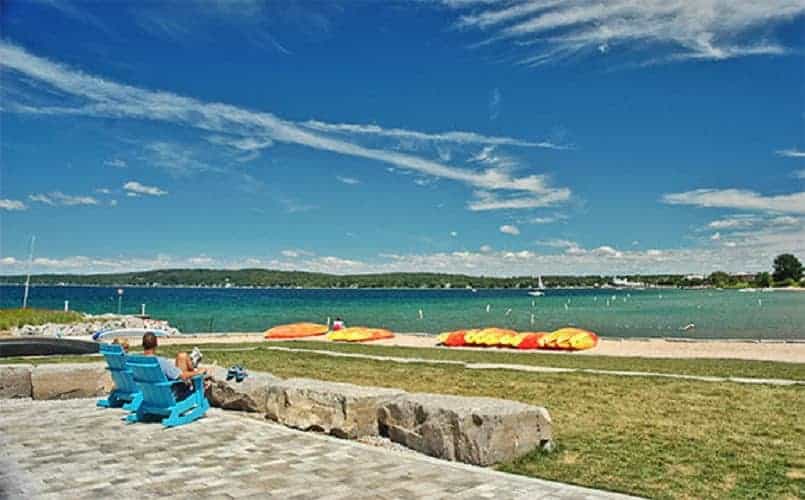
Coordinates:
(499,138)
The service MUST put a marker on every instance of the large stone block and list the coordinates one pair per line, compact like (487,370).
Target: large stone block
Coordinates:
(343,410)
(15,381)
(68,381)
(480,431)
(249,395)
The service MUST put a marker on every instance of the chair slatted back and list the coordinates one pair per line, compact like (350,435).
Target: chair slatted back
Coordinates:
(121,373)
(157,393)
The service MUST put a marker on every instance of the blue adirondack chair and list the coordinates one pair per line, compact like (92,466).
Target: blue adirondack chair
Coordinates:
(158,398)
(126,394)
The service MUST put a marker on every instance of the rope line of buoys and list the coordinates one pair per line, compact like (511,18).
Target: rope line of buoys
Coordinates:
(563,339)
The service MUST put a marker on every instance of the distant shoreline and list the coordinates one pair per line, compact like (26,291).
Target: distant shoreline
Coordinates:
(462,289)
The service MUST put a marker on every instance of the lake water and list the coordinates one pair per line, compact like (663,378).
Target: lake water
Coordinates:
(614,313)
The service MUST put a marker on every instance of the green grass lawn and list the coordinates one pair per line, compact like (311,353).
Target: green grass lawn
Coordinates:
(708,367)
(9,318)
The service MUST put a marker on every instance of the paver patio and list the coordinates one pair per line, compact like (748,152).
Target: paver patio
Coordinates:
(70,449)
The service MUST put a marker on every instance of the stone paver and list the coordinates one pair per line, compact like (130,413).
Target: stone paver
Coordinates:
(70,449)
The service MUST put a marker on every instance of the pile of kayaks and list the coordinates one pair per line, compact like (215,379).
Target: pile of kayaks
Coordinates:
(564,339)
(352,334)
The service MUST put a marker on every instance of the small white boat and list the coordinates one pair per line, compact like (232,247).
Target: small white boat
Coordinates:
(127,332)
(540,287)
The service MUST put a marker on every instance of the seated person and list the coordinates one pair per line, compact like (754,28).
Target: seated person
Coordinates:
(180,369)
(123,343)
(338,324)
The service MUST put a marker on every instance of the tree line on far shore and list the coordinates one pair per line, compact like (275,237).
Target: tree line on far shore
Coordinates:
(787,271)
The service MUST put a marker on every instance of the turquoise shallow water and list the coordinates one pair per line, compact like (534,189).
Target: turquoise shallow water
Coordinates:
(615,313)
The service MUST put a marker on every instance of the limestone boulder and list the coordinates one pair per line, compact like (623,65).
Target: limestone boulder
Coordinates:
(15,381)
(70,380)
(343,410)
(479,431)
(249,395)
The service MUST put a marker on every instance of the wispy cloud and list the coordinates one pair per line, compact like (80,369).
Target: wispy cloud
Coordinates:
(176,159)
(495,102)
(548,30)
(105,98)
(739,199)
(116,163)
(799,174)
(457,137)
(57,198)
(509,229)
(790,153)
(135,188)
(12,205)
(347,180)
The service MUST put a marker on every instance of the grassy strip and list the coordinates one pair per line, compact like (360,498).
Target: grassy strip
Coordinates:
(701,367)
(653,437)
(10,318)
(706,367)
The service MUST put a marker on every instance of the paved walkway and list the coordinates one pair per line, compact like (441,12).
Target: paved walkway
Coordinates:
(534,368)
(70,449)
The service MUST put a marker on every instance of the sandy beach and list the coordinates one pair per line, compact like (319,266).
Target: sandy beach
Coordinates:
(647,348)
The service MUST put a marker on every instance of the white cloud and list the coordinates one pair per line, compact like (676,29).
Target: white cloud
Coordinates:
(57,198)
(291,254)
(790,153)
(716,236)
(12,205)
(116,162)
(348,180)
(201,260)
(485,200)
(544,31)
(112,203)
(103,191)
(485,248)
(176,159)
(733,222)
(453,234)
(799,174)
(108,99)
(8,261)
(134,188)
(509,229)
(456,137)
(739,199)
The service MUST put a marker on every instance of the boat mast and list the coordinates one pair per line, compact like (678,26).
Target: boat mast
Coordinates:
(28,277)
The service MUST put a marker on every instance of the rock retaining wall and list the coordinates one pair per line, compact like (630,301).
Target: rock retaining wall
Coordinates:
(480,431)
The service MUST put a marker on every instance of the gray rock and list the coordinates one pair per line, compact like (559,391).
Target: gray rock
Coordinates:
(70,380)
(15,381)
(343,410)
(249,395)
(479,431)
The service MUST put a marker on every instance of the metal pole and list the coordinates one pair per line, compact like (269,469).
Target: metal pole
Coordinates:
(28,278)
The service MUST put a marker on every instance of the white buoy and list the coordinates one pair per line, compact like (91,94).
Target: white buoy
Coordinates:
(566,308)
(328,322)
(66,305)
(759,302)
(421,314)
(508,311)
(142,309)
(532,318)
(488,307)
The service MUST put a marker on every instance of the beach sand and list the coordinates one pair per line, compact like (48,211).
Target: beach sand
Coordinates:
(646,348)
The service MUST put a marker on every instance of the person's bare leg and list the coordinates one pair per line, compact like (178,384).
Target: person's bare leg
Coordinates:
(183,362)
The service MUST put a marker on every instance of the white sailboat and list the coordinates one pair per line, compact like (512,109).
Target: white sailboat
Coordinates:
(539,292)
